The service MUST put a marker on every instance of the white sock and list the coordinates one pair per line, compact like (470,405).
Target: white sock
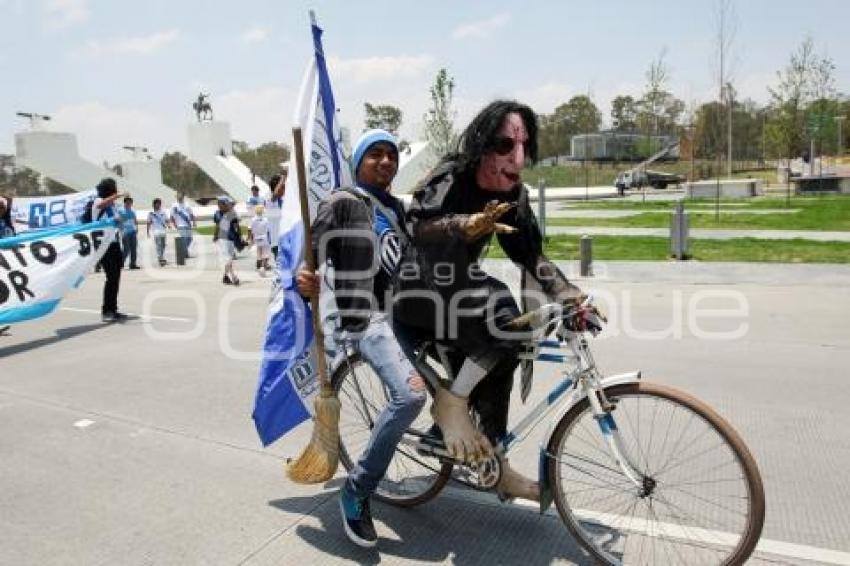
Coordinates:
(468,377)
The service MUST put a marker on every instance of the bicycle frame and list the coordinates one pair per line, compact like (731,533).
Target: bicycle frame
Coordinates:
(580,380)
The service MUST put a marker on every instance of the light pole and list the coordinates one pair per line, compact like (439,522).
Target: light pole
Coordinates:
(586,189)
(763,125)
(840,119)
(729,100)
(692,130)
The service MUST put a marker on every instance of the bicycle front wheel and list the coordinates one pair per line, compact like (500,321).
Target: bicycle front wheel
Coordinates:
(412,478)
(698,498)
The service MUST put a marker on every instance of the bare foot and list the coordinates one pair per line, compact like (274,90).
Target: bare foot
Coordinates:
(513,484)
(451,413)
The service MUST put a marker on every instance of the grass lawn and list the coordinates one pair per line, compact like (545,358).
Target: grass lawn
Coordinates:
(830,213)
(625,248)
(604,173)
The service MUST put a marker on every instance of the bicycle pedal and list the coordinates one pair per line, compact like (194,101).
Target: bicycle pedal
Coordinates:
(427,446)
(430,445)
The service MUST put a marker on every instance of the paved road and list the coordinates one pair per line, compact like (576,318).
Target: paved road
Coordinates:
(133,444)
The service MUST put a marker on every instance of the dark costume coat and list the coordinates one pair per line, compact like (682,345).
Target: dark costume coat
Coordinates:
(441,263)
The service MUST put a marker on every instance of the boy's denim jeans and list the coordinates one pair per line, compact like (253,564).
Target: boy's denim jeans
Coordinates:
(380,349)
(159,241)
(186,234)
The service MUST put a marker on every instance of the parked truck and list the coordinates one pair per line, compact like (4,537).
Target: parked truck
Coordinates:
(639,176)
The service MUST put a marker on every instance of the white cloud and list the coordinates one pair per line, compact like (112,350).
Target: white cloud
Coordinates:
(368,69)
(66,13)
(544,98)
(754,86)
(258,115)
(255,34)
(144,45)
(481,29)
(102,130)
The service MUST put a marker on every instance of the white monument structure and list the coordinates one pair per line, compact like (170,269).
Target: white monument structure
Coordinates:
(414,162)
(143,170)
(55,155)
(211,148)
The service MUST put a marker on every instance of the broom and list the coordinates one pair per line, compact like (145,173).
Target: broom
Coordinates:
(319,460)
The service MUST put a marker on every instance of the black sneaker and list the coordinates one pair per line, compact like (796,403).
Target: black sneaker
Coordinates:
(357,519)
(113,317)
(135,267)
(226,280)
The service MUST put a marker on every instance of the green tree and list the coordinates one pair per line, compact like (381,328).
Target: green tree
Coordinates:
(183,175)
(748,121)
(709,141)
(264,160)
(383,116)
(624,111)
(57,188)
(439,119)
(7,163)
(22,182)
(658,110)
(789,99)
(579,115)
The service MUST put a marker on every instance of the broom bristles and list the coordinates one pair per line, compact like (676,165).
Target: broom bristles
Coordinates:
(319,460)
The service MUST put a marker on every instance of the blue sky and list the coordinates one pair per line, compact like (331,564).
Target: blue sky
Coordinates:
(118,72)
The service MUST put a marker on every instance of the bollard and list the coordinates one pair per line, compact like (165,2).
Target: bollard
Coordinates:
(541,207)
(586,256)
(181,250)
(679,232)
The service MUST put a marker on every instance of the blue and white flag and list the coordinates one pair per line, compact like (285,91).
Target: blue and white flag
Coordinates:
(39,213)
(288,380)
(38,268)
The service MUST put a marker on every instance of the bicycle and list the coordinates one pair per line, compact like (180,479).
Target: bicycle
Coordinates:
(639,472)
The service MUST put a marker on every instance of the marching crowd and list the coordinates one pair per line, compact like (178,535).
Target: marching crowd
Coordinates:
(263,215)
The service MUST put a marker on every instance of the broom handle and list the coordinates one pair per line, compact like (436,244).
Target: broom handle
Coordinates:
(311,259)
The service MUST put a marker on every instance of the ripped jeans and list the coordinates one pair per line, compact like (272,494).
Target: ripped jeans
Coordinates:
(380,349)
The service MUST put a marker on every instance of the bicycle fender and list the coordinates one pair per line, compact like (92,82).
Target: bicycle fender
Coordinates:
(546,493)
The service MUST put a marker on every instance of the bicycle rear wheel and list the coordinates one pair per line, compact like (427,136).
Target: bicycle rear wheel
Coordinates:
(701,498)
(412,478)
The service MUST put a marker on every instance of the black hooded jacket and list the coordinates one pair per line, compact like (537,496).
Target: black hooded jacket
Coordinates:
(441,261)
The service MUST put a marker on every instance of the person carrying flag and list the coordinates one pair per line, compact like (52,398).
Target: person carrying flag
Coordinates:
(344,220)
(113,259)
(7,230)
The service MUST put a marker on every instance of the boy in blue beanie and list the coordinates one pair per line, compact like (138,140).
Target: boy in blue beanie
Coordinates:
(361,296)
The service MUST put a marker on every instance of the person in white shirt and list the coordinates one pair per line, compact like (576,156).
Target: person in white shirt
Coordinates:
(112,260)
(227,237)
(255,199)
(183,219)
(157,226)
(260,237)
(274,206)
